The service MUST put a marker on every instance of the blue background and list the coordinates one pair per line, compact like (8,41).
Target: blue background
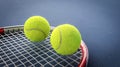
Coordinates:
(97,20)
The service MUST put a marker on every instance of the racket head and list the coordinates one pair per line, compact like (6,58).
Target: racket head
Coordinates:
(17,50)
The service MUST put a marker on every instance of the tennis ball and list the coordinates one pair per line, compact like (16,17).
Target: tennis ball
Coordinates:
(36,28)
(65,39)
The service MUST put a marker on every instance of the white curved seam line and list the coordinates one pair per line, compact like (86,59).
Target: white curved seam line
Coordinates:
(37,30)
(60,40)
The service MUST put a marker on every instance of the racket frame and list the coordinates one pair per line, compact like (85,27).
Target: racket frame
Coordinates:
(83,46)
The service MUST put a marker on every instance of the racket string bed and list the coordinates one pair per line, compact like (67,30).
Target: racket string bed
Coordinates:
(17,50)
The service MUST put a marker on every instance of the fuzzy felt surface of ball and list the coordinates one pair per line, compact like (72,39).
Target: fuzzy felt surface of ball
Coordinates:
(36,28)
(65,39)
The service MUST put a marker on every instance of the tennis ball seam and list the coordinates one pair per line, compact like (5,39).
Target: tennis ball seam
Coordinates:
(37,30)
(60,40)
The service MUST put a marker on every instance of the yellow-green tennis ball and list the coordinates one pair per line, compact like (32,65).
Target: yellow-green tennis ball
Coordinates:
(65,39)
(36,28)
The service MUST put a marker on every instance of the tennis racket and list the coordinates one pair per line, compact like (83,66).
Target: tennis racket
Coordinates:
(17,51)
